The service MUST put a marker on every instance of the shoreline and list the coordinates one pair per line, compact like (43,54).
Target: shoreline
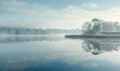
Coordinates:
(92,36)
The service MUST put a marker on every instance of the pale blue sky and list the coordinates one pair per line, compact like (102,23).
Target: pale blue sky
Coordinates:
(67,14)
(64,3)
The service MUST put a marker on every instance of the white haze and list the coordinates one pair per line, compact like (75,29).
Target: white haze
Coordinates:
(23,14)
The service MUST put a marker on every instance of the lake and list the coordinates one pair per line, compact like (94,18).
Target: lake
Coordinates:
(57,53)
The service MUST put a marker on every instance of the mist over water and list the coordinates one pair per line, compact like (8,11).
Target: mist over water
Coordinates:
(58,54)
(59,35)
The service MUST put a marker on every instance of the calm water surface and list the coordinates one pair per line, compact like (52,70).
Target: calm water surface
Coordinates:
(56,53)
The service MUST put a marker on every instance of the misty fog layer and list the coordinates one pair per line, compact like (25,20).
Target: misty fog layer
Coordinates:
(95,26)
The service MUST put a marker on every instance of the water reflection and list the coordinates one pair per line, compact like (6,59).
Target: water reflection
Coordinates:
(6,39)
(58,54)
(97,46)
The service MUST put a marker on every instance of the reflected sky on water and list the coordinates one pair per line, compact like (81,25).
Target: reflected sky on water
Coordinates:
(58,54)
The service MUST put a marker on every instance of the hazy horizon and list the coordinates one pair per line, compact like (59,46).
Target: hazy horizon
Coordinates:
(61,14)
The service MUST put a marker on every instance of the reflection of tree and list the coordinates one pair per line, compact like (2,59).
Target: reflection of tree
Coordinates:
(97,47)
(8,39)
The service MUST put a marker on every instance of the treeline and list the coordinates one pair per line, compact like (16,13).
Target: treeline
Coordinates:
(28,31)
(98,26)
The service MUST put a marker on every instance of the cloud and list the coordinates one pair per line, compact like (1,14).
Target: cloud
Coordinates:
(91,65)
(20,13)
(91,5)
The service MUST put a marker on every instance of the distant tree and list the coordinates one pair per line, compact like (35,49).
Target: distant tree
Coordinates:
(92,27)
(86,27)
